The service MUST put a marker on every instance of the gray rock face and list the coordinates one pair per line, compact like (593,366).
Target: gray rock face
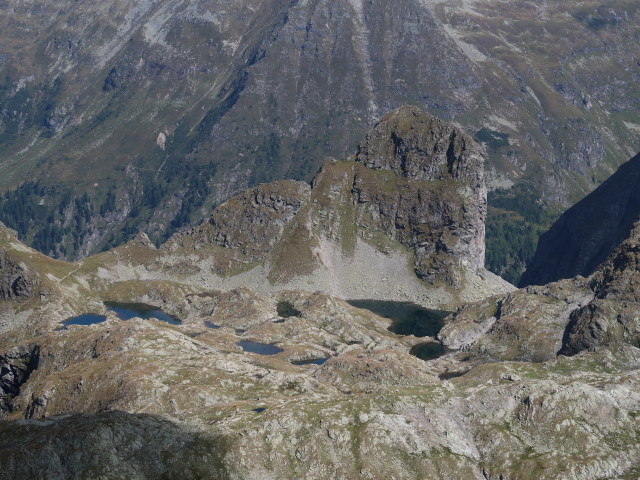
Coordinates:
(416,185)
(253,222)
(419,146)
(612,316)
(433,218)
(527,325)
(565,317)
(15,368)
(17,282)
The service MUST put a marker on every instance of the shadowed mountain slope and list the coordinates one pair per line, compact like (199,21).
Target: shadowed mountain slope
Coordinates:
(585,235)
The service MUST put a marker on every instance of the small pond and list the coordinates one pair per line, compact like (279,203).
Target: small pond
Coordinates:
(127,311)
(210,324)
(259,348)
(313,361)
(86,319)
(428,350)
(408,318)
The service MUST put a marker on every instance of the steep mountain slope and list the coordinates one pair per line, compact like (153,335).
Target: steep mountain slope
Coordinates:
(587,233)
(171,106)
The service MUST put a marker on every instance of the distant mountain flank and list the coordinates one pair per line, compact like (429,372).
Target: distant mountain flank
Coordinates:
(142,115)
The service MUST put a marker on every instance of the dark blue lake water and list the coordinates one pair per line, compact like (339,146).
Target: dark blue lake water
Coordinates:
(428,350)
(127,311)
(210,324)
(86,319)
(259,348)
(408,318)
(314,361)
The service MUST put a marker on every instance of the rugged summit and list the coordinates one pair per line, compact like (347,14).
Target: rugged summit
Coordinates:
(584,236)
(417,146)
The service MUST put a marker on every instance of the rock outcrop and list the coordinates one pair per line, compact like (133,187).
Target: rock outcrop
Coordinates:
(17,281)
(564,317)
(612,316)
(16,366)
(527,325)
(441,211)
(251,223)
(110,445)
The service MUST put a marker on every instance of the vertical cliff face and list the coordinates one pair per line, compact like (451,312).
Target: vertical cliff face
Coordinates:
(568,317)
(435,157)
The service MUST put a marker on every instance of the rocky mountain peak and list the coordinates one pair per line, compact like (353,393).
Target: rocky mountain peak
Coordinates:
(414,192)
(409,208)
(417,145)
